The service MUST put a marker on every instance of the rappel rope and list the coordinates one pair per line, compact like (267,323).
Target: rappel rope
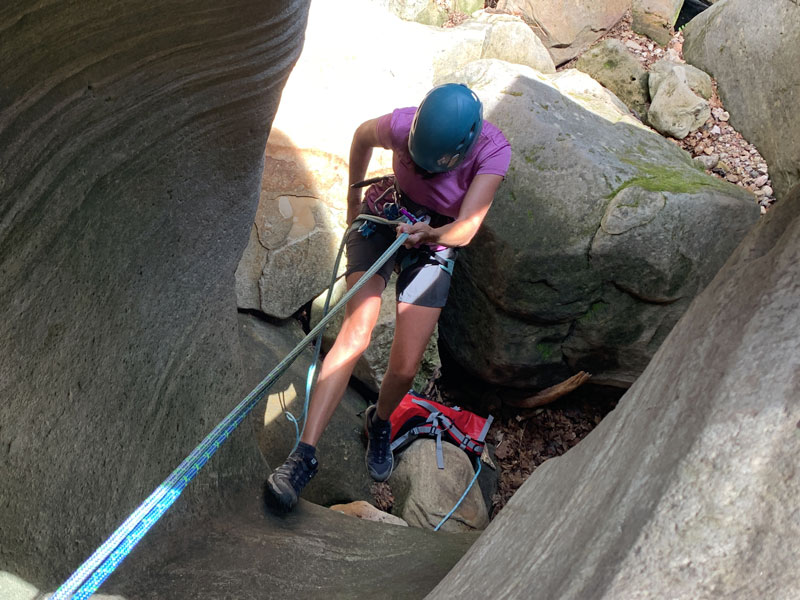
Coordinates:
(460,500)
(102,563)
(99,566)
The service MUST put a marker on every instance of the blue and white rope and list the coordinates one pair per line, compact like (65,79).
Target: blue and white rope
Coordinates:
(97,568)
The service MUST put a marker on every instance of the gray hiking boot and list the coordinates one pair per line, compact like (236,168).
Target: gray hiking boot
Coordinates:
(282,488)
(380,461)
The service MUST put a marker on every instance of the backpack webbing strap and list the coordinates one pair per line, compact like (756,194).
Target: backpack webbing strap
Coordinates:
(485,430)
(463,440)
(435,425)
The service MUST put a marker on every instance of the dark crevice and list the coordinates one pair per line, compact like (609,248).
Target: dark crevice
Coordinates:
(640,298)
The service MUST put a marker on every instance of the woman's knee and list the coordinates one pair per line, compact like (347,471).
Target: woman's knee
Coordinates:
(402,369)
(353,339)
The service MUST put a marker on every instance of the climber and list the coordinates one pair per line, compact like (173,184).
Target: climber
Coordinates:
(448,163)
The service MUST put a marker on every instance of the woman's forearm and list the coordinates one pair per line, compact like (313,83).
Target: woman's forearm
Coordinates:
(472,213)
(452,235)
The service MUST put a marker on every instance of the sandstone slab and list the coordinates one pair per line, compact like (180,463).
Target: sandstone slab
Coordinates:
(655,18)
(612,64)
(313,552)
(342,475)
(676,110)
(364,510)
(699,81)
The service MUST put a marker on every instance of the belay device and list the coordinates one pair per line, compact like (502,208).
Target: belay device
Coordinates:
(418,417)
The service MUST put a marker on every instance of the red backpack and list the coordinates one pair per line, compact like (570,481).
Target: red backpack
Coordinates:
(418,417)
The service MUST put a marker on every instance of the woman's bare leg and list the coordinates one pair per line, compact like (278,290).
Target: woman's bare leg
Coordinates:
(413,330)
(361,314)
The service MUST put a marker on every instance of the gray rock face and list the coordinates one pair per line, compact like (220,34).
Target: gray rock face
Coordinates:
(569,27)
(676,110)
(689,488)
(342,476)
(293,242)
(655,18)
(424,494)
(131,147)
(610,63)
(699,81)
(509,38)
(596,243)
(753,55)
(313,552)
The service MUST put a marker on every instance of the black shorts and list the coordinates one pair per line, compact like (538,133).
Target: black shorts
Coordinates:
(424,274)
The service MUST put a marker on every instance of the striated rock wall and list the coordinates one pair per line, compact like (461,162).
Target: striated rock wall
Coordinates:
(131,149)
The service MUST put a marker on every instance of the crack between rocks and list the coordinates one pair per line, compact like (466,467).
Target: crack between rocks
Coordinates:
(640,298)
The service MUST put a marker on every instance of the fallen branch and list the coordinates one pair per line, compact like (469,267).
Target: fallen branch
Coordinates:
(552,393)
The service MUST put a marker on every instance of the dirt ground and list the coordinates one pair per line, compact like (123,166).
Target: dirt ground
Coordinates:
(523,439)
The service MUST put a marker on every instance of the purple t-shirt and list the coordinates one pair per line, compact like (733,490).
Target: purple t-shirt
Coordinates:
(443,192)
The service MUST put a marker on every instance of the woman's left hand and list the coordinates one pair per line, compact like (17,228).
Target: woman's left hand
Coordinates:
(418,233)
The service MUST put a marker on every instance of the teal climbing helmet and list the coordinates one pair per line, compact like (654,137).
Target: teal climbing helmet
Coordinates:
(445,127)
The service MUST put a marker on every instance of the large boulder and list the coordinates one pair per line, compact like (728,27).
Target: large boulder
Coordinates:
(655,18)
(568,27)
(699,81)
(753,55)
(131,148)
(425,494)
(342,476)
(613,65)
(676,110)
(597,240)
(509,38)
(300,219)
(689,488)
(296,232)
